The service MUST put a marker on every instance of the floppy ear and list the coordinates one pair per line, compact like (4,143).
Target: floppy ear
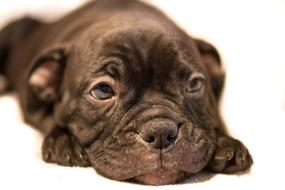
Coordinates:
(46,74)
(212,63)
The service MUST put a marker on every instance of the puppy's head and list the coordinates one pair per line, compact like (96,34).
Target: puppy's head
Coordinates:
(139,100)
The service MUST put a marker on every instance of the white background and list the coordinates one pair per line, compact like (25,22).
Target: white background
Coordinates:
(250,35)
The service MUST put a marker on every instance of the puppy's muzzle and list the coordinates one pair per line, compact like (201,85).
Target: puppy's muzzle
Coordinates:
(159,133)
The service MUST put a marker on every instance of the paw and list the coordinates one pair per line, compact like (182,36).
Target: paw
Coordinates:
(62,148)
(231,156)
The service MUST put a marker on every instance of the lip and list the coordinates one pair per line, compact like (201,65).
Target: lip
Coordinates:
(160,176)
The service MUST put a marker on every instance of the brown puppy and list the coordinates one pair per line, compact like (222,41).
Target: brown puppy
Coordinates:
(118,86)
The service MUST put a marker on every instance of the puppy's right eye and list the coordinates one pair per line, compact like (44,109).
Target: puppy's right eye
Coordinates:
(195,84)
(102,92)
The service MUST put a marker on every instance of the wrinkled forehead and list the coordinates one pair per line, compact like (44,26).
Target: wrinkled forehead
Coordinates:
(138,52)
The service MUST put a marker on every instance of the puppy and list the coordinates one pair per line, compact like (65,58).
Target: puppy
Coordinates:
(118,86)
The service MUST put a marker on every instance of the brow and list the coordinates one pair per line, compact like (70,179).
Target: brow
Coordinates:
(112,66)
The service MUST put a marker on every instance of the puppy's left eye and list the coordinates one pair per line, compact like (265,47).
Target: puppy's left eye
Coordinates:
(102,91)
(195,84)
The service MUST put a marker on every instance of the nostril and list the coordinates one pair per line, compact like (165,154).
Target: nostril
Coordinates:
(160,134)
(170,138)
(149,139)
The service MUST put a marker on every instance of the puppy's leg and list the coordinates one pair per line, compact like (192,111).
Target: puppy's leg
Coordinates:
(230,156)
(4,85)
(59,145)
(62,148)
(10,37)
(37,100)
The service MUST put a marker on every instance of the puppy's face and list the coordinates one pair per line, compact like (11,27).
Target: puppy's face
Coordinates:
(140,103)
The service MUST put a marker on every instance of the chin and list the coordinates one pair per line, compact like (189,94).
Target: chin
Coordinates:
(160,176)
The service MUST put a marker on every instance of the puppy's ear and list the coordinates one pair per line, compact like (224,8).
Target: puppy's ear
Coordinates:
(46,74)
(212,63)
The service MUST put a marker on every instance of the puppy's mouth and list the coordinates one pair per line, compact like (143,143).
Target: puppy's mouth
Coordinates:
(145,163)
(160,176)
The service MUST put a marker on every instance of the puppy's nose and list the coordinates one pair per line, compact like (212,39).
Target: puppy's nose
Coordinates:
(159,133)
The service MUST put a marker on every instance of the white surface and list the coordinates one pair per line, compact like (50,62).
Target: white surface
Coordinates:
(250,36)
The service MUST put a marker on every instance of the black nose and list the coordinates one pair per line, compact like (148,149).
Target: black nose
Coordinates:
(159,133)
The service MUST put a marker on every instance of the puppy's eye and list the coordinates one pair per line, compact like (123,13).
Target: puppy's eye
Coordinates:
(195,84)
(102,91)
